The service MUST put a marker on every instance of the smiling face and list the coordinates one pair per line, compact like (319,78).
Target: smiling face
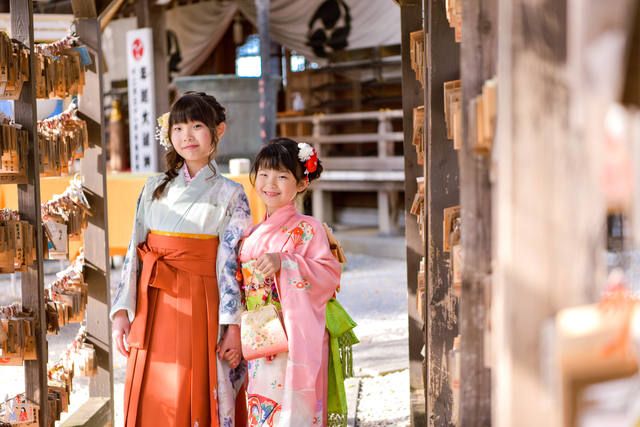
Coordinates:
(193,142)
(277,188)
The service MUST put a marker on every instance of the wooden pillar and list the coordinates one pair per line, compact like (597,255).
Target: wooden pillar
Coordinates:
(29,207)
(267,95)
(442,192)
(479,60)
(151,16)
(547,216)
(96,238)
(412,97)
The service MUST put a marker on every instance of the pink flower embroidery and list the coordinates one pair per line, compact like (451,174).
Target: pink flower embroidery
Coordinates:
(300,283)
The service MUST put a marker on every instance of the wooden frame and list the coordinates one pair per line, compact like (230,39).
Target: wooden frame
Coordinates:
(98,411)
(412,97)
(442,191)
(479,62)
(29,207)
(533,217)
(96,236)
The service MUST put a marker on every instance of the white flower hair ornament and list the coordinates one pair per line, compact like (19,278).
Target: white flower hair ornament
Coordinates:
(162,131)
(308,156)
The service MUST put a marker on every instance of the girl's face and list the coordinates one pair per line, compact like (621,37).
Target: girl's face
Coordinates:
(192,141)
(277,188)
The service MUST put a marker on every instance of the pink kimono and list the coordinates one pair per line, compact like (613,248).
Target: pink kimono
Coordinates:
(290,389)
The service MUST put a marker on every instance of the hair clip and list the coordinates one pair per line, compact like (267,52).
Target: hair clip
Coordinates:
(162,131)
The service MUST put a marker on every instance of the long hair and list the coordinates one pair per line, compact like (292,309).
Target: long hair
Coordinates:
(192,106)
(281,154)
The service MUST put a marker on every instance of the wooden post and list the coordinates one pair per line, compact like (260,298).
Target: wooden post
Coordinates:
(442,192)
(96,238)
(267,95)
(29,207)
(479,60)
(547,215)
(151,16)
(412,96)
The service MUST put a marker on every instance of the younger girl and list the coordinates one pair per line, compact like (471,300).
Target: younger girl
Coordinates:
(179,286)
(289,389)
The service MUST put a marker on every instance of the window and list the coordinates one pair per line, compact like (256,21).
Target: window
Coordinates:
(248,62)
(299,63)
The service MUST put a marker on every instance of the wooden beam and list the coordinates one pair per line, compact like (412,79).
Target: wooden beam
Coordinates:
(109,12)
(479,61)
(363,163)
(154,17)
(96,236)
(84,8)
(408,3)
(29,206)
(360,186)
(442,192)
(412,96)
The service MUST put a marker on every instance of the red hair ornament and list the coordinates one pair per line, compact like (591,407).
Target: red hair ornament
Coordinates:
(308,157)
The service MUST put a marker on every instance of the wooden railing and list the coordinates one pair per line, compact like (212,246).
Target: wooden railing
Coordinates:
(383,173)
(385,137)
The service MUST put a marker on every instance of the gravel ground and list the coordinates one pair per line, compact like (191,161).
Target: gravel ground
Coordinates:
(384,401)
(374,294)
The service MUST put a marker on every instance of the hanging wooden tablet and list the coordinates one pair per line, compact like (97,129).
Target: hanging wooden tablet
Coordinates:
(58,247)
(450,214)
(53,321)
(7,254)
(418,132)
(20,258)
(452,93)
(4,58)
(41,85)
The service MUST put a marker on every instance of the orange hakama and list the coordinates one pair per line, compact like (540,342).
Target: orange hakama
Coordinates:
(171,371)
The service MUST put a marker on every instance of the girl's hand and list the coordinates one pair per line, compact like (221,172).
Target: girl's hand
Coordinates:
(121,327)
(230,343)
(268,264)
(232,357)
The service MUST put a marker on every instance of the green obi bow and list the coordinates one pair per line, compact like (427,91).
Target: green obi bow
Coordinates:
(340,326)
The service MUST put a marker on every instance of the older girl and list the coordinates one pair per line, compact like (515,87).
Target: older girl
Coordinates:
(179,286)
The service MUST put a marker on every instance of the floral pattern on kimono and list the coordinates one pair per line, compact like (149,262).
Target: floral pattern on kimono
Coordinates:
(210,204)
(309,274)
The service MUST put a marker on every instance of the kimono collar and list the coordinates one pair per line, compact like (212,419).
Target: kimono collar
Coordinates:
(270,224)
(205,173)
(187,177)
(282,214)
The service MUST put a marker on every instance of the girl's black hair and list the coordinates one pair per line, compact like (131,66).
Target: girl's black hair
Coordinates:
(281,154)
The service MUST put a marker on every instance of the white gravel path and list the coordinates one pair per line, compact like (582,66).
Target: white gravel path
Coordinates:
(384,401)
(373,292)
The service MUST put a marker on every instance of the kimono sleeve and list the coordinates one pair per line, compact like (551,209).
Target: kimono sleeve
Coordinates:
(127,293)
(237,221)
(309,275)
(311,268)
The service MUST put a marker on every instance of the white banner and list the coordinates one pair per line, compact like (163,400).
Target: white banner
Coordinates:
(313,28)
(142,110)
